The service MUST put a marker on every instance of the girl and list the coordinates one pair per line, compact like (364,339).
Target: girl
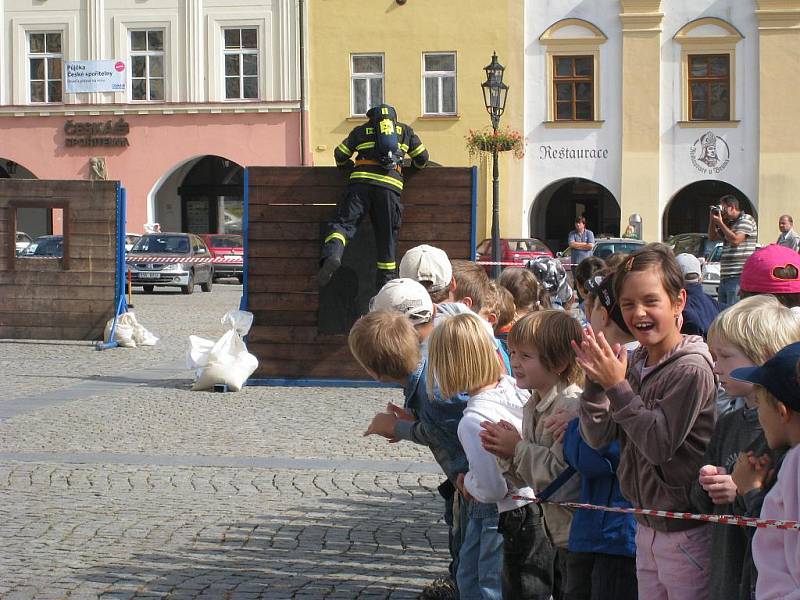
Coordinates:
(462,356)
(660,406)
(528,293)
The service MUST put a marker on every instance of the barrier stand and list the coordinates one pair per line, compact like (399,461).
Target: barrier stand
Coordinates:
(130,289)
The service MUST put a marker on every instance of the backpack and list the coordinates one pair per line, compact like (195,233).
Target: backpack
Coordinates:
(387,143)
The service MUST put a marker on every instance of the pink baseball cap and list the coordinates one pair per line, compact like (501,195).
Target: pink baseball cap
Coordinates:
(773,269)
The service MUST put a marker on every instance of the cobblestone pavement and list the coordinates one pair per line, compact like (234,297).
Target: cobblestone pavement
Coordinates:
(117,481)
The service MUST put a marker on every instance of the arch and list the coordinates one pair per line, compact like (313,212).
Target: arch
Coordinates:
(584,29)
(202,194)
(711,27)
(688,209)
(552,214)
(33,221)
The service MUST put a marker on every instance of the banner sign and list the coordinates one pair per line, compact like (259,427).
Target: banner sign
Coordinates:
(94,76)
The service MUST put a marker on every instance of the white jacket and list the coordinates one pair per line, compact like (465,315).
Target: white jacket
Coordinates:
(484,481)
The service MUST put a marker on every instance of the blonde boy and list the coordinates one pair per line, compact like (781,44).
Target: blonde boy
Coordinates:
(745,335)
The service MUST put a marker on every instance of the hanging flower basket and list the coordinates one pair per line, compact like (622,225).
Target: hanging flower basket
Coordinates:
(487,140)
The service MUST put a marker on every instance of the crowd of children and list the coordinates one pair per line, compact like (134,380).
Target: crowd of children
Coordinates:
(528,402)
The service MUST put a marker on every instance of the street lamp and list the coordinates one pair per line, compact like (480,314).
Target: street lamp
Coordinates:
(494,98)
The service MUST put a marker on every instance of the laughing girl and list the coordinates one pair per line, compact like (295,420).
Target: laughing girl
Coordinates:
(660,406)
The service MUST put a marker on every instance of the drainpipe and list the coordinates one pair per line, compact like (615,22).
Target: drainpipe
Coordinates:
(302,66)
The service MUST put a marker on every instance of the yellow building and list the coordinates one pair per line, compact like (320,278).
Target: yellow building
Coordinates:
(425,58)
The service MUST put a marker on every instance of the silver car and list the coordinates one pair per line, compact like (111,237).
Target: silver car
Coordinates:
(170,259)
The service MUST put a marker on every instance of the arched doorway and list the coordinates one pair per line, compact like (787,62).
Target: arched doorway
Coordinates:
(203,195)
(553,213)
(688,210)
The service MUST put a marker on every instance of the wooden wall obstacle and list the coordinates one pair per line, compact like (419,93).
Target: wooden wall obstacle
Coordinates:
(287,210)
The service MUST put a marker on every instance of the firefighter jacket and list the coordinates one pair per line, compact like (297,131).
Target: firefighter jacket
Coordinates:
(366,168)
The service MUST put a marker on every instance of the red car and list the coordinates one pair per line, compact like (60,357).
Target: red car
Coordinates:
(512,250)
(227,252)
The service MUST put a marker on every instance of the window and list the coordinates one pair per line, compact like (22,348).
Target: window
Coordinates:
(147,65)
(573,88)
(440,83)
(44,58)
(241,63)
(366,82)
(709,87)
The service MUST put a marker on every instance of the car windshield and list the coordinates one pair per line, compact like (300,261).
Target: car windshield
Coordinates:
(716,254)
(226,241)
(163,244)
(49,247)
(604,250)
(528,245)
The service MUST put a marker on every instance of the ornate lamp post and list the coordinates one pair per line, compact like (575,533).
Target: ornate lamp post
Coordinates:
(494,98)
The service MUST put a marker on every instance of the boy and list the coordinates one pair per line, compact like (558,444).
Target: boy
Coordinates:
(744,335)
(776,552)
(701,309)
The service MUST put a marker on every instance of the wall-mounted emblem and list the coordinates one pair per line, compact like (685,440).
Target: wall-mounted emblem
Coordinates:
(710,153)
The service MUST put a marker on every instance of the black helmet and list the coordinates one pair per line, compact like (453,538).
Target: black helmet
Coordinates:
(549,271)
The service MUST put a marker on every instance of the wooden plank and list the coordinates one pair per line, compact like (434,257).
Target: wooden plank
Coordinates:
(283,301)
(293,334)
(262,195)
(56,188)
(287,283)
(284,266)
(294,176)
(287,318)
(85,333)
(291,213)
(78,320)
(312,231)
(75,291)
(301,370)
(259,249)
(104,279)
(45,304)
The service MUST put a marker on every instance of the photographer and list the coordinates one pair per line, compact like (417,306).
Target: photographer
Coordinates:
(738,232)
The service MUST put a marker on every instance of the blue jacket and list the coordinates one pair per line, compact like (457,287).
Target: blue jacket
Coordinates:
(700,310)
(437,422)
(593,530)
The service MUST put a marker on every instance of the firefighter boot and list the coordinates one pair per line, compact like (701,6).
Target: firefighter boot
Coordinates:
(384,275)
(332,253)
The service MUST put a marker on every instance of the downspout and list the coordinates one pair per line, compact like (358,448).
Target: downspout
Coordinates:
(302,66)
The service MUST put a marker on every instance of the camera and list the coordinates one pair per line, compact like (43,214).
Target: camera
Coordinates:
(716,209)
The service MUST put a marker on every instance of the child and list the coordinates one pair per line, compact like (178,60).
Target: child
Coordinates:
(587,269)
(505,316)
(773,270)
(660,406)
(542,360)
(701,309)
(528,293)
(744,335)
(463,357)
(430,267)
(776,552)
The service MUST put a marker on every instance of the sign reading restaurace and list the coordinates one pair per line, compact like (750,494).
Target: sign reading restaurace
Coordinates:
(82,76)
(567,153)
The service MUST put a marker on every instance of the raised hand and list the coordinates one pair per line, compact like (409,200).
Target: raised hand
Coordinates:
(601,363)
(499,438)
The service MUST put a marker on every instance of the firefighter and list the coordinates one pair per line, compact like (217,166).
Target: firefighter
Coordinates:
(375,184)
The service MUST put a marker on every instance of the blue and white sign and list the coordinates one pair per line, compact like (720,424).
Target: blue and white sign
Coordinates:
(81,76)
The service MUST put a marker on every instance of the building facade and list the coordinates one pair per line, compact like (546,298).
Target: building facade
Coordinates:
(210,86)
(426,59)
(649,111)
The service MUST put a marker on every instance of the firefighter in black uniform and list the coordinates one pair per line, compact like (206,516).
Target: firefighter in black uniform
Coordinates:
(376,181)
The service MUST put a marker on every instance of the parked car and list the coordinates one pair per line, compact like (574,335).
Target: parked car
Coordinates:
(229,249)
(513,250)
(23,241)
(710,271)
(692,243)
(46,245)
(171,259)
(603,248)
(130,240)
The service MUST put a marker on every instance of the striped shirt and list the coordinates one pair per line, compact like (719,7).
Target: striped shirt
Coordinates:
(734,257)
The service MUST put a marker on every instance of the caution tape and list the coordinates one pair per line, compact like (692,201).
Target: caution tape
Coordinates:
(184,259)
(683,516)
(523,264)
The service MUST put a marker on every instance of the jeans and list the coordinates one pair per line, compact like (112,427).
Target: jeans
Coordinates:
(528,555)
(480,556)
(594,576)
(673,565)
(728,293)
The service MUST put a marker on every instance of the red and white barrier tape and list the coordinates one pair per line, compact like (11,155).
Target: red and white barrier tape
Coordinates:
(179,259)
(514,264)
(683,516)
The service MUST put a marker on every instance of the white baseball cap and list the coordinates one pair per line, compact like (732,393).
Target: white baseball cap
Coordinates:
(405,296)
(426,263)
(690,265)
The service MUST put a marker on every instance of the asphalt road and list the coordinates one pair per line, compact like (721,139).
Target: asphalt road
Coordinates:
(118,481)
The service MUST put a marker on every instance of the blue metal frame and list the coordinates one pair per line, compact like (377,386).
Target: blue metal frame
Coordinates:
(245,239)
(120,270)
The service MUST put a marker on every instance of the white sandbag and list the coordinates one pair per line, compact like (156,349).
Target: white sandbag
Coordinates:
(123,331)
(225,361)
(199,351)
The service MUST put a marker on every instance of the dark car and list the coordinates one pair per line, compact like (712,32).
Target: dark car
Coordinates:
(46,245)
(171,259)
(227,250)
(512,250)
(692,243)
(603,248)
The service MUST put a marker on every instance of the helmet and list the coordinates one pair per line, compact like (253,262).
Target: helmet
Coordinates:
(550,273)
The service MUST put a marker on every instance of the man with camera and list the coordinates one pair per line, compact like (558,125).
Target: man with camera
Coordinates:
(738,232)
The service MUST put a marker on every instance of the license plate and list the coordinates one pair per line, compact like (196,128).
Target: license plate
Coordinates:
(148,275)
(233,256)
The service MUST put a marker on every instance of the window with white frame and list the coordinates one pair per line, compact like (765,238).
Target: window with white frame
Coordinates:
(147,65)
(366,82)
(241,63)
(440,83)
(45,67)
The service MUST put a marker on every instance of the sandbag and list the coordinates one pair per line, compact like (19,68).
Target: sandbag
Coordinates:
(225,361)
(128,332)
